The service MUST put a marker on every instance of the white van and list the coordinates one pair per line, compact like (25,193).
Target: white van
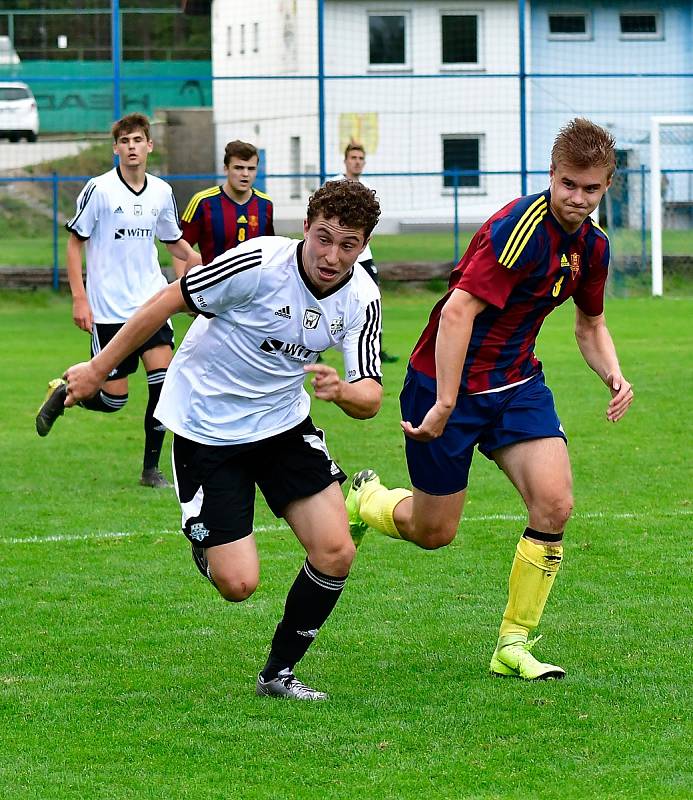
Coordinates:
(18,112)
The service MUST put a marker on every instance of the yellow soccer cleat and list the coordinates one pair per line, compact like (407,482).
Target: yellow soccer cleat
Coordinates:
(363,481)
(513,658)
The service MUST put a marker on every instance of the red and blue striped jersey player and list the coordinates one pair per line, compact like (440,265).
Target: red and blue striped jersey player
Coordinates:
(474,380)
(221,217)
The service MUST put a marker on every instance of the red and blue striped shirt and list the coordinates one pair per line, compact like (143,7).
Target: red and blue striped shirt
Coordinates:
(523,264)
(216,223)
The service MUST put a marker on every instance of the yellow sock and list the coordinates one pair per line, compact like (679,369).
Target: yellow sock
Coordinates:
(531,578)
(378,506)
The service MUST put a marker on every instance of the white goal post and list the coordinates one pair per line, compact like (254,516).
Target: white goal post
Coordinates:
(656,199)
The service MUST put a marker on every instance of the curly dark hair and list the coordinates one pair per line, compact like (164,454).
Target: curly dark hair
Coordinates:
(352,203)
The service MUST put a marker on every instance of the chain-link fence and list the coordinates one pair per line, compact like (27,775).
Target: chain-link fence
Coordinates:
(457,110)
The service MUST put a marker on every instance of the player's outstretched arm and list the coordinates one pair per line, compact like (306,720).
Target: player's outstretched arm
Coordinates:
(598,350)
(454,332)
(360,399)
(85,379)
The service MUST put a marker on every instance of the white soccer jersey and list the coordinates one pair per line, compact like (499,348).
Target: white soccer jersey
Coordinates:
(119,226)
(238,375)
(366,255)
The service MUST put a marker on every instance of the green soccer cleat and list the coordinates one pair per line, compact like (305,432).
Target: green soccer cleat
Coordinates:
(360,481)
(514,659)
(52,407)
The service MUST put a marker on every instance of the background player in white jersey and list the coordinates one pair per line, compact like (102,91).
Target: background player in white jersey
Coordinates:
(354,163)
(118,215)
(235,400)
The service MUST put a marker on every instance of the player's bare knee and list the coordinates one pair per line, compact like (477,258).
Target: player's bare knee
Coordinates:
(235,590)
(433,537)
(556,510)
(335,559)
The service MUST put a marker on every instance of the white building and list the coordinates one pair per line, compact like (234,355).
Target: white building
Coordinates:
(425,85)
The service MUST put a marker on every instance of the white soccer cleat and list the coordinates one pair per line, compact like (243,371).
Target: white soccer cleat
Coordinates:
(286,684)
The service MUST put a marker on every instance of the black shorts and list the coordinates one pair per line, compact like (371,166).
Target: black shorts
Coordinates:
(216,484)
(103,332)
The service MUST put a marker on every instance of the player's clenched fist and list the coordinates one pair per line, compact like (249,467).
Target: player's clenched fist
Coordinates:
(82,382)
(326,382)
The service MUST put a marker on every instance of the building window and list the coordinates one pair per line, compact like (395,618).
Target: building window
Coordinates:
(462,153)
(387,40)
(241,48)
(570,26)
(256,37)
(641,26)
(229,40)
(460,39)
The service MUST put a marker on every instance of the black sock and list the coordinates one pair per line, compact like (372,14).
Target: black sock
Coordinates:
(309,603)
(154,431)
(547,538)
(105,402)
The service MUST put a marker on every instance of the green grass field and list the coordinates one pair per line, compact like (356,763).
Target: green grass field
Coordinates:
(123,675)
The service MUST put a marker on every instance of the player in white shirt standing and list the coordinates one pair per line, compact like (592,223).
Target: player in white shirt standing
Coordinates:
(118,215)
(235,400)
(354,163)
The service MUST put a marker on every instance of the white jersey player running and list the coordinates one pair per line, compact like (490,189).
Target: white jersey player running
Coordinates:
(118,215)
(235,401)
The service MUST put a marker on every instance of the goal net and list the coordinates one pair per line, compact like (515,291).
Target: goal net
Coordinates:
(671,199)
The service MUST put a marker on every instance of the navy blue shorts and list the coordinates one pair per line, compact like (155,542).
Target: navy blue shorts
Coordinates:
(103,332)
(490,421)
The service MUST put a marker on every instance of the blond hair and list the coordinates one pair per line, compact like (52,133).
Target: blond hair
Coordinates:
(582,144)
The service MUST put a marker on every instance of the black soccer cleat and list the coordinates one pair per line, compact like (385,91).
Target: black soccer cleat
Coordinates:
(199,556)
(154,478)
(53,406)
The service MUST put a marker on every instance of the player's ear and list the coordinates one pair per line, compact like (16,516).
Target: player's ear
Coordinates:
(306,226)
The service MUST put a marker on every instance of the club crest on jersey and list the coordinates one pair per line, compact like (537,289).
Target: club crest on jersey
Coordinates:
(337,325)
(198,531)
(252,221)
(575,264)
(137,209)
(155,212)
(311,318)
